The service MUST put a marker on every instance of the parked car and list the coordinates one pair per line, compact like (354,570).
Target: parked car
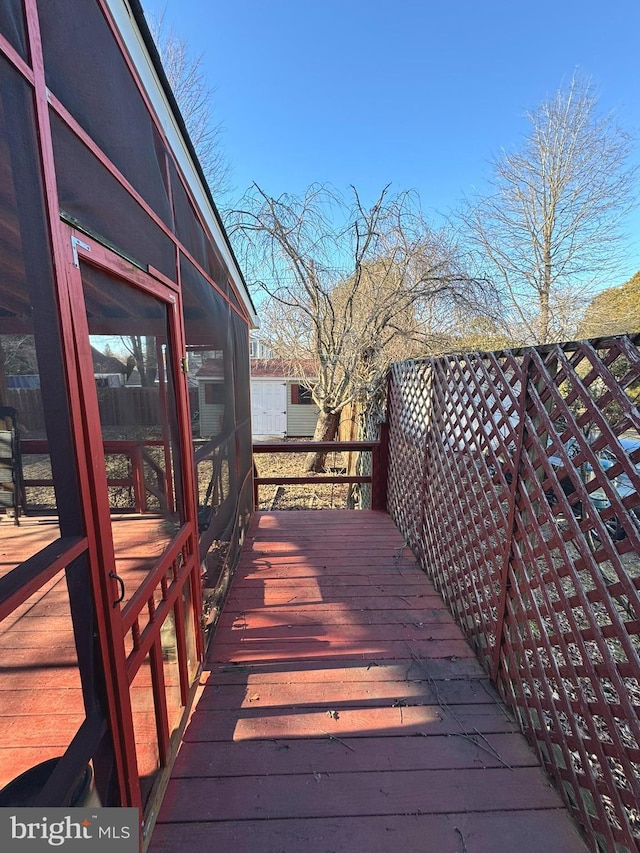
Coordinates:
(607,459)
(623,486)
(622,483)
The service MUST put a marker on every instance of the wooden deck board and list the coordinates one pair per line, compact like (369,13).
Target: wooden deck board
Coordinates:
(297,755)
(314,794)
(410,721)
(262,696)
(477,832)
(342,711)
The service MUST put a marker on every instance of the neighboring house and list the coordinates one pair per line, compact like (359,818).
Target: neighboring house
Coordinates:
(259,348)
(212,397)
(109,371)
(281,402)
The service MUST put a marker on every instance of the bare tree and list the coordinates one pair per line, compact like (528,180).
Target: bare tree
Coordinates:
(142,354)
(194,96)
(19,354)
(349,286)
(550,230)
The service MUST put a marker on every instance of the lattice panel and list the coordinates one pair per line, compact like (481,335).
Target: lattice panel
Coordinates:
(473,431)
(409,408)
(516,477)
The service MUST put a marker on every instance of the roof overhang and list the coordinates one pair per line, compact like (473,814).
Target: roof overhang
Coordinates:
(129,17)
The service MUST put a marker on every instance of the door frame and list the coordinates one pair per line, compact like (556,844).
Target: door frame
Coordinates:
(180,558)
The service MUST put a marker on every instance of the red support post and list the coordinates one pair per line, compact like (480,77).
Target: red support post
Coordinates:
(380,469)
(137,473)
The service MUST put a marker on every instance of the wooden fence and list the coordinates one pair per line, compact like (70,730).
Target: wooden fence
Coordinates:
(126,406)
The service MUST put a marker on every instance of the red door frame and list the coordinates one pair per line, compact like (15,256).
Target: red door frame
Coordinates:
(62,258)
(181,556)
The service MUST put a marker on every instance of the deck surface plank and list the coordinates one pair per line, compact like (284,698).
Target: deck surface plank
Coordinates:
(341,710)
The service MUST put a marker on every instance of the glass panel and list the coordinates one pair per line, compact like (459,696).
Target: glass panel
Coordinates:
(80,55)
(39,494)
(190,632)
(241,369)
(171,672)
(94,201)
(136,396)
(188,228)
(218,347)
(211,371)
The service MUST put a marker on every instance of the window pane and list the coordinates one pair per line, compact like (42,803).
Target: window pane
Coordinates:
(80,54)
(145,729)
(92,199)
(39,494)
(41,702)
(12,25)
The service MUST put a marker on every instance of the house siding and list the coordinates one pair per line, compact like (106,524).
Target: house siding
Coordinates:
(301,419)
(211,415)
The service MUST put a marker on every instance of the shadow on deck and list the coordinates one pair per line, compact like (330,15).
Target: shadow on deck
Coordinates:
(342,710)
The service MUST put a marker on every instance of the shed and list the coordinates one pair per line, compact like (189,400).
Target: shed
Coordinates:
(281,401)
(212,397)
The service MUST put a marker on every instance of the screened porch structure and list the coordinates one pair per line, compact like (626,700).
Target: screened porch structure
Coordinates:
(119,520)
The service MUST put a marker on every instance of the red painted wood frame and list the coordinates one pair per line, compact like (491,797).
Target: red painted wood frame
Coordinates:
(377,478)
(181,556)
(177,569)
(514,476)
(61,256)
(242,311)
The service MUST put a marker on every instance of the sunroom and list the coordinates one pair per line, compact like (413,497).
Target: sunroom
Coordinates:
(118,523)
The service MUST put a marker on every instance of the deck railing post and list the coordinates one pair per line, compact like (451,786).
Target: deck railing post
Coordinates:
(255,486)
(137,472)
(380,469)
(379,463)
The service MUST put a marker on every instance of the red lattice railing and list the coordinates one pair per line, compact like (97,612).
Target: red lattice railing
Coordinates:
(515,477)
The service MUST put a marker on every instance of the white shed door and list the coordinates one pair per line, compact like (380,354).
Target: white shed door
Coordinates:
(269,408)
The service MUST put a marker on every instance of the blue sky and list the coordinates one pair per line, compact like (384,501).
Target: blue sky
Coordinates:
(413,93)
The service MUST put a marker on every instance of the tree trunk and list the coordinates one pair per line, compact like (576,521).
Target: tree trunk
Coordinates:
(326,430)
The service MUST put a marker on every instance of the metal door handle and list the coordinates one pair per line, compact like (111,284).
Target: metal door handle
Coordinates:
(121,583)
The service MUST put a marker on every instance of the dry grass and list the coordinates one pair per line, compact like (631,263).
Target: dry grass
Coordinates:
(309,496)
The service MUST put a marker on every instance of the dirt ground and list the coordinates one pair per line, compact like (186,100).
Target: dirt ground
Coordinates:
(308,496)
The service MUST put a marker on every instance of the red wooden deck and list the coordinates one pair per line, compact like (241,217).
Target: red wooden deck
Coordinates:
(343,711)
